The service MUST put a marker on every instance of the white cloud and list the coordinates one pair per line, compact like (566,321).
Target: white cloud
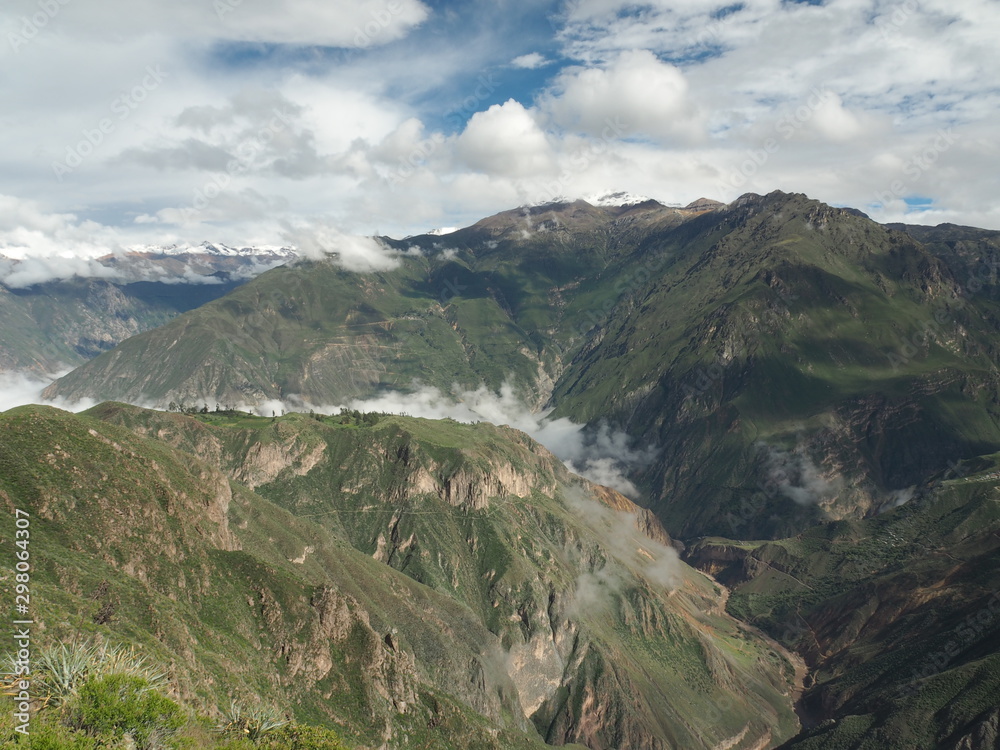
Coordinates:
(352,253)
(530,61)
(409,131)
(638,92)
(20,389)
(505,140)
(24,273)
(28,230)
(341,24)
(599,454)
(798,478)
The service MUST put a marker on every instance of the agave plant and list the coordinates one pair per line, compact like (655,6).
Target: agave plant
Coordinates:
(10,676)
(252,722)
(121,660)
(62,668)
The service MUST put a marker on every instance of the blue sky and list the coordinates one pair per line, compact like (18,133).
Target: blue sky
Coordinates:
(248,122)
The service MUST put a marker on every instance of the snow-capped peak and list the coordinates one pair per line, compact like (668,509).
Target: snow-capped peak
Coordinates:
(218,249)
(616,198)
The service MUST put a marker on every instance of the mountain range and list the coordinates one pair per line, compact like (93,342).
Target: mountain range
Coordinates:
(60,312)
(802,405)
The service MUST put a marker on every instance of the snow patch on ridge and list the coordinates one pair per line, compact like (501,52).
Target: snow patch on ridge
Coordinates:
(617,198)
(215,248)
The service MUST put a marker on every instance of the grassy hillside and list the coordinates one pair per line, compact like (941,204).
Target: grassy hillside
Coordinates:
(509,298)
(794,362)
(54,325)
(404,581)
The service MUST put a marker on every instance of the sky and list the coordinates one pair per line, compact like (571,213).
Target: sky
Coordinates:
(253,122)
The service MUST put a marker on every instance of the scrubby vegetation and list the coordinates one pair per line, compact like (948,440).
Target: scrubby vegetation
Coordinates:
(95,696)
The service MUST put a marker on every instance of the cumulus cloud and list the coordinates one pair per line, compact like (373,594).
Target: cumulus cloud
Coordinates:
(698,87)
(352,253)
(505,140)
(254,132)
(637,93)
(313,22)
(28,230)
(530,61)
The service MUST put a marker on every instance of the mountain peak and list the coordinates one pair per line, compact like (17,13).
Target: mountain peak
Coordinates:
(617,198)
(703,204)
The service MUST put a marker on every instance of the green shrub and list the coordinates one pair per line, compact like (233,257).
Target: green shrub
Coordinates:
(62,667)
(47,732)
(302,737)
(118,704)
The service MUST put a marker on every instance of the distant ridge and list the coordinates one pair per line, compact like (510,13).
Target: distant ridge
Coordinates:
(704,204)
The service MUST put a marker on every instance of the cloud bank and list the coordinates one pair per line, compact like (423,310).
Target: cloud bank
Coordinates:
(20,389)
(603,455)
(395,116)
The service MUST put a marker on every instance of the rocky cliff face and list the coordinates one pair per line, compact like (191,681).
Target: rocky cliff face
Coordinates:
(590,630)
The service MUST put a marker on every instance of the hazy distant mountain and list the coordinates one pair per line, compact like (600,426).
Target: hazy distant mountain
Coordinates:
(61,312)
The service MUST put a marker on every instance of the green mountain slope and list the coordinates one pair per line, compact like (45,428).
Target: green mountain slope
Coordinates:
(50,326)
(790,361)
(409,582)
(898,615)
(509,298)
(794,362)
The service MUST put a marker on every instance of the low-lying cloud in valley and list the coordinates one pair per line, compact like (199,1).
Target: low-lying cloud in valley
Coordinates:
(627,548)
(597,452)
(21,274)
(600,454)
(21,388)
(350,252)
(798,478)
